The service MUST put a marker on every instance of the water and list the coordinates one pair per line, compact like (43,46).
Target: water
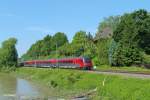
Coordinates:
(12,88)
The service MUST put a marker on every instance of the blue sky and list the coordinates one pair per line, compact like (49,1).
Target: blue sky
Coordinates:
(31,20)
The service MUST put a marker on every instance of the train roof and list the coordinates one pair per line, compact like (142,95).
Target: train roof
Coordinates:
(58,58)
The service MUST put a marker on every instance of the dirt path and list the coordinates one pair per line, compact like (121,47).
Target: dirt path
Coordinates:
(134,75)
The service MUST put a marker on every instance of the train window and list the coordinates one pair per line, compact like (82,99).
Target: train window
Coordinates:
(87,60)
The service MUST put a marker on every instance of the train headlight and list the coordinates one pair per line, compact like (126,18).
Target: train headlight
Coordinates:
(94,67)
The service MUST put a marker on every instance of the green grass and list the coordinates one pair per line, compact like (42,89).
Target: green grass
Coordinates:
(146,59)
(75,82)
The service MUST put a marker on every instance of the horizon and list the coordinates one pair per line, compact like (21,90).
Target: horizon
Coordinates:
(30,21)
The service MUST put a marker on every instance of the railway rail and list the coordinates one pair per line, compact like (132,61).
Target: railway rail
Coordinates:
(123,73)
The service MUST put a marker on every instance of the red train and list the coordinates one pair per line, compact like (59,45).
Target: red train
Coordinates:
(78,63)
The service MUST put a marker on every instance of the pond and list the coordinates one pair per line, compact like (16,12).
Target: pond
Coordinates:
(13,88)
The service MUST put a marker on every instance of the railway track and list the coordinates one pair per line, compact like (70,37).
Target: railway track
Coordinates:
(123,73)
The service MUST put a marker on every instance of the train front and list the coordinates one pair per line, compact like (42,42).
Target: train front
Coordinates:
(87,63)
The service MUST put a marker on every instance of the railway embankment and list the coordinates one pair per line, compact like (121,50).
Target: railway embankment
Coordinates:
(75,83)
(132,69)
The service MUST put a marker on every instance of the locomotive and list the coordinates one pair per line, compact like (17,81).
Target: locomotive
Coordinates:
(76,63)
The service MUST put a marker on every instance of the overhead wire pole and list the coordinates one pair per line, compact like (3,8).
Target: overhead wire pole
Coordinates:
(56,50)
(56,56)
(84,46)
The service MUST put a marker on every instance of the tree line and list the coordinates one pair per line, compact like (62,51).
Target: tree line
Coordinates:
(120,41)
(57,46)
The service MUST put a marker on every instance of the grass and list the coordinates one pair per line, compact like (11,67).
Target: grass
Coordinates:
(74,82)
(146,59)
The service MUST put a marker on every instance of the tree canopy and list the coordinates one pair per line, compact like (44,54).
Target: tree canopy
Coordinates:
(46,46)
(59,39)
(8,53)
(107,26)
(132,37)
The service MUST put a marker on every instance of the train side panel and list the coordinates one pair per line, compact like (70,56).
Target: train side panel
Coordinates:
(78,63)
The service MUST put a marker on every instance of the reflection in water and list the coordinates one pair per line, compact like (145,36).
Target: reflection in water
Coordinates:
(24,88)
(11,87)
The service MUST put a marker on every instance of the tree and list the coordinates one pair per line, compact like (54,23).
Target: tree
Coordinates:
(107,26)
(83,44)
(46,46)
(124,55)
(40,48)
(79,41)
(102,47)
(143,25)
(79,37)
(8,53)
(89,36)
(59,39)
(132,35)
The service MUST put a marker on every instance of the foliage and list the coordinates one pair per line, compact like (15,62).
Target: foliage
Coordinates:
(7,69)
(112,48)
(81,45)
(119,41)
(90,36)
(59,39)
(107,26)
(135,26)
(8,53)
(102,48)
(132,31)
(80,37)
(146,58)
(103,38)
(46,46)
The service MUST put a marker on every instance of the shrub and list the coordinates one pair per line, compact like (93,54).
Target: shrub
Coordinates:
(102,51)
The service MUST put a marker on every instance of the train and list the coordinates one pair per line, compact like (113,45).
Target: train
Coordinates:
(76,63)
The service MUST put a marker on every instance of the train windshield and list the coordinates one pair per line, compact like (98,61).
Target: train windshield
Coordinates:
(87,60)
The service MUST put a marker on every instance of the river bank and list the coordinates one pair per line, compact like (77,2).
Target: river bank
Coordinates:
(73,83)
(17,88)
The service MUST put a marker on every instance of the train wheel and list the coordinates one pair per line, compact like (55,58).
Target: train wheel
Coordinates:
(85,68)
(88,68)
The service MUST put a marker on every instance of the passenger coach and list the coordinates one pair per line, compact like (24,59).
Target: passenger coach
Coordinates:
(77,63)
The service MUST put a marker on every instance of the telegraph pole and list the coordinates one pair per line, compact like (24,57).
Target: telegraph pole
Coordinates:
(56,50)
(56,56)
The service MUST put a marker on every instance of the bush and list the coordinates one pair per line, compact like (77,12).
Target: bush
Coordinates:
(72,78)
(53,84)
(112,49)
(102,51)
(95,61)
(146,58)
(7,69)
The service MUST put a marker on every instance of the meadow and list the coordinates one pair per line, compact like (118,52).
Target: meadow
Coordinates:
(71,83)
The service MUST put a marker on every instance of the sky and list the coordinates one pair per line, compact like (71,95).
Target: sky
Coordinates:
(31,20)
